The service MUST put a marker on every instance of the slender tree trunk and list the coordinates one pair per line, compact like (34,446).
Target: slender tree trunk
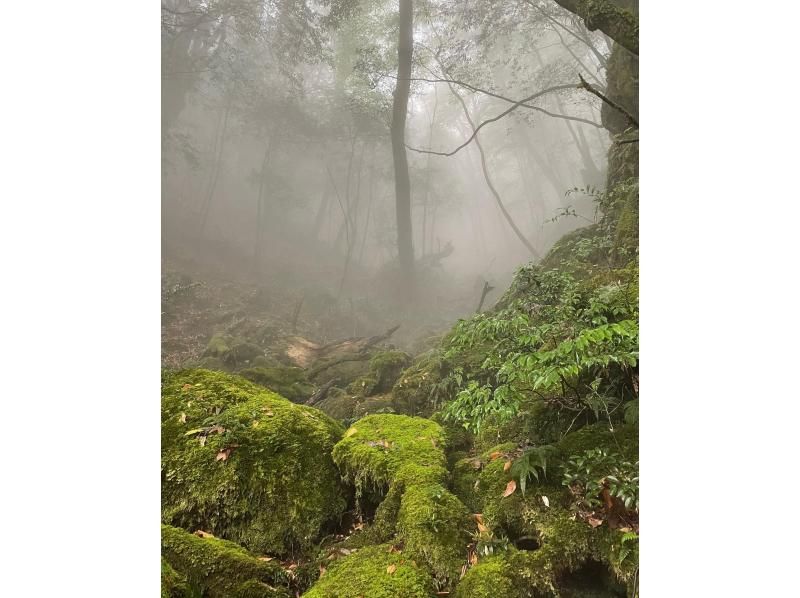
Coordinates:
(212,186)
(260,211)
(402,182)
(428,170)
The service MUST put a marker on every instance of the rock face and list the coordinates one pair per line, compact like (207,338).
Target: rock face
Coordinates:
(245,464)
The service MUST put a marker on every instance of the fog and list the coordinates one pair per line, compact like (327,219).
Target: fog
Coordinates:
(277,165)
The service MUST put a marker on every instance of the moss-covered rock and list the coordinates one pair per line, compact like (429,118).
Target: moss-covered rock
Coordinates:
(245,464)
(231,350)
(490,578)
(289,382)
(221,569)
(374,572)
(375,448)
(173,584)
(433,526)
(385,367)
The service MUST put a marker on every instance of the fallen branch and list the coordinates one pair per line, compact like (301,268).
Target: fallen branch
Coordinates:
(322,392)
(486,290)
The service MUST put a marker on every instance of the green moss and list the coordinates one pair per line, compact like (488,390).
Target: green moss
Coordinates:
(432,524)
(231,350)
(221,569)
(623,440)
(173,584)
(373,572)
(375,448)
(288,382)
(245,464)
(385,367)
(490,578)
(466,472)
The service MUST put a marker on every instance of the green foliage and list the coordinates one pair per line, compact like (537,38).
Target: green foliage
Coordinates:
(529,464)
(245,464)
(588,473)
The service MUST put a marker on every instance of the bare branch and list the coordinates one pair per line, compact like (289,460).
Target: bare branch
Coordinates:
(494,119)
(612,103)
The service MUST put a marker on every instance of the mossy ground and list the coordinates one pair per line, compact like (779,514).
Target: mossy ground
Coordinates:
(246,464)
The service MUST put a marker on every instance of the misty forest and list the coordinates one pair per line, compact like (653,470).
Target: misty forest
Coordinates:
(399,298)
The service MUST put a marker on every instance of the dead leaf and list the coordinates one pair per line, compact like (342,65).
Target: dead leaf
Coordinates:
(350,432)
(625,529)
(215,430)
(394,549)
(391,569)
(594,522)
(482,528)
(265,558)
(507,466)
(182,418)
(546,501)
(495,455)
(473,558)
(322,570)
(478,517)
(510,488)
(203,534)
(225,453)
(186,387)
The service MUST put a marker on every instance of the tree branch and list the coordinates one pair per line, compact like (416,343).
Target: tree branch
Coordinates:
(491,120)
(612,103)
(509,100)
(617,23)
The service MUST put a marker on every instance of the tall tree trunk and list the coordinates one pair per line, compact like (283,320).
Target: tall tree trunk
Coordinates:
(260,211)
(212,186)
(402,182)
(428,171)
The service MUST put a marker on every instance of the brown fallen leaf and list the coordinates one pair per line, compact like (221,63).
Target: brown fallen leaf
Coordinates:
(265,558)
(495,455)
(215,430)
(510,488)
(186,387)
(225,453)
(594,522)
(482,528)
(473,558)
(507,466)
(391,569)
(478,517)
(203,534)
(476,464)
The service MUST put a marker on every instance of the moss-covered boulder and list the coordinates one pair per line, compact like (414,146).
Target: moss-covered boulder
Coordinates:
(375,572)
(173,584)
(232,351)
(490,578)
(403,457)
(375,448)
(221,569)
(385,367)
(289,382)
(245,464)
